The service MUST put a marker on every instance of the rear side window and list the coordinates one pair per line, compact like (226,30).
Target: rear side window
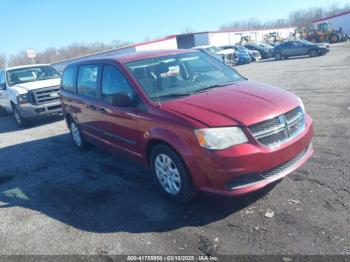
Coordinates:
(68,79)
(88,80)
(113,82)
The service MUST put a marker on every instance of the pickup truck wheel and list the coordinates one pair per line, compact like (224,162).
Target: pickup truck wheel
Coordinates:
(313,53)
(278,56)
(79,141)
(171,174)
(20,121)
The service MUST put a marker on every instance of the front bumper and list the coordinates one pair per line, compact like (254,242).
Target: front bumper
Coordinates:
(249,167)
(31,111)
(323,51)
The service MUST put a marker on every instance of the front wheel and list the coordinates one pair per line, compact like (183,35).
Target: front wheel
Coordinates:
(278,56)
(171,174)
(20,121)
(313,53)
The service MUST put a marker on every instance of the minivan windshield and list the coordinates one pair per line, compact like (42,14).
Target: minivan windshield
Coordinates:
(179,75)
(30,74)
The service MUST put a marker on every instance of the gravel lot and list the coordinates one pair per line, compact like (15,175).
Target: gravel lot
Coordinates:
(57,200)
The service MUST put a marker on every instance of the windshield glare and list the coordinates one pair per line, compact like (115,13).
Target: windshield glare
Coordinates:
(213,49)
(30,74)
(181,74)
(307,42)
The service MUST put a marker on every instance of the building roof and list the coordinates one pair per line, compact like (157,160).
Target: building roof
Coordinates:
(330,17)
(236,30)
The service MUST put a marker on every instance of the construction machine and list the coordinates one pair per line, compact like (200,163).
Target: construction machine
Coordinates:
(319,33)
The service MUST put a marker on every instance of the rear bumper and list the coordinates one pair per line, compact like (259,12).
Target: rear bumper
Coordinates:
(32,111)
(248,167)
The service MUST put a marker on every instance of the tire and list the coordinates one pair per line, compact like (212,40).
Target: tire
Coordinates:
(3,111)
(313,40)
(313,53)
(278,56)
(77,137)
(20,121)
(171,174)
(334,38)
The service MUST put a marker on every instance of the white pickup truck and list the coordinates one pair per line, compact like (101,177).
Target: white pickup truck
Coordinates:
(30,91)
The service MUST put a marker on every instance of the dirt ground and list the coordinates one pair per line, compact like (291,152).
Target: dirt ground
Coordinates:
(57,200)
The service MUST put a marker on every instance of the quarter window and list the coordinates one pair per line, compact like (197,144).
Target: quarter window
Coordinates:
(88,80)
(68,79)
(113,82)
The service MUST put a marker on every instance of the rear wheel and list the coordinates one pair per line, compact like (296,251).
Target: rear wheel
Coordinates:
(278,56)
(20,121)
(313,53)
(171,174)
(78,139)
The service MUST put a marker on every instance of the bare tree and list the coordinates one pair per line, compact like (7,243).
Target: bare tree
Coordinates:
(301,17)
(52,54)
(187,30)
(2,61)
(19,59)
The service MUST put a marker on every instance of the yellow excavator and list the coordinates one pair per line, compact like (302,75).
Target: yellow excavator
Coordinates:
(319,33)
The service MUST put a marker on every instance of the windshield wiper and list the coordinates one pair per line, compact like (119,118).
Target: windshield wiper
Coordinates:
(174,95)
(214,86)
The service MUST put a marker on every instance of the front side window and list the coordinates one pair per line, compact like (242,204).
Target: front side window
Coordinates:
(181,74)
(113,82)
(31,74)
(297,44)
(88,80)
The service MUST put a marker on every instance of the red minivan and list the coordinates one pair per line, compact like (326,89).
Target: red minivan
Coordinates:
(197,123)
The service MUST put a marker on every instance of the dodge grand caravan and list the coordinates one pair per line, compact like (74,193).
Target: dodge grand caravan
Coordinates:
(197,123)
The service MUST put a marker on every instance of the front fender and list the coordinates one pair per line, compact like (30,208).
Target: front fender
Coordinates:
(175,138)
(184,142)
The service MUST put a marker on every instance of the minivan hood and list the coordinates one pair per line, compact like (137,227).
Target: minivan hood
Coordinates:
(244,104)
(23,88)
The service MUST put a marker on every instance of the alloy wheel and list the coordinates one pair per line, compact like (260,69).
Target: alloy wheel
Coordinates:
(168,174)
(75,134)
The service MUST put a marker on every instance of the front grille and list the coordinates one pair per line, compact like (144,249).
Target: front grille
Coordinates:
(45,95)
(266,125)
(279,129)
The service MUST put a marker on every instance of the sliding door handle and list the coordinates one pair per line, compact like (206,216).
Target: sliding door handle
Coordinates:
(101,110)
(91,107)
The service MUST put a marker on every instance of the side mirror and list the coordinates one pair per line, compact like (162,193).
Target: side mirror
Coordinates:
(2,86)
(124,100)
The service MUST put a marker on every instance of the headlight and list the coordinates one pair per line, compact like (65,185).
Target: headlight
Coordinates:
(220,138)
(301,105)
(23,99)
